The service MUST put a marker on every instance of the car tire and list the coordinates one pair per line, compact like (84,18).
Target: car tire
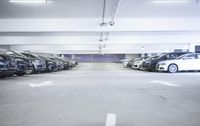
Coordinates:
(20,74)
(173,68)
(33,70)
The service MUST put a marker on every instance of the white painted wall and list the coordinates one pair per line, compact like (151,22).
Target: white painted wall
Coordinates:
(5,47)
(116,49)
(132,56)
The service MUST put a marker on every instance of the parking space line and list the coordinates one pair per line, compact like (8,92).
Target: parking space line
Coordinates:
(45,83)
(164,83)
(111,119)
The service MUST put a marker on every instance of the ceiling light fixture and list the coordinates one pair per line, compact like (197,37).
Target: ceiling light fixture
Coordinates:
(171,1)
(28,1)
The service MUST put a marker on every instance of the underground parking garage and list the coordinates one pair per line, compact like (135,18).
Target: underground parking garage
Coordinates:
(99,62)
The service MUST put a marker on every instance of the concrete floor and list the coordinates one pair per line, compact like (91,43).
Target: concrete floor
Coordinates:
(84,95)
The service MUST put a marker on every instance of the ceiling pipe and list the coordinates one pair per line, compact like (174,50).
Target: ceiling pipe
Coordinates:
(101,37)
(116,8)
(103,14)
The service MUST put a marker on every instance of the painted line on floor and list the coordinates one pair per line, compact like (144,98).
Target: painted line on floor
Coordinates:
(45,83)
(111,119)
(164,83)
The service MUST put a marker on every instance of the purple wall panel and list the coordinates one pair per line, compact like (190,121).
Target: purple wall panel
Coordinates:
(107,58)
(99,58)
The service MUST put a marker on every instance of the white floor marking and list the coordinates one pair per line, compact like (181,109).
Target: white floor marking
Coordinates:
(45,83)
(164,83)
(111,119)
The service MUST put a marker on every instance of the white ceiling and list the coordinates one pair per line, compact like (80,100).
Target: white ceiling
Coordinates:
(93,9)
(75,24)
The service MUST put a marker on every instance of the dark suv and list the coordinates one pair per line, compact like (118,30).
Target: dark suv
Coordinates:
(7,65)
(39,64)
(51,65)
(23,64)
(150,65)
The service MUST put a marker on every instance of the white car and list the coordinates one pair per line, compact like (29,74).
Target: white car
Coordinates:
(187,62)
(137,63)
(125,62)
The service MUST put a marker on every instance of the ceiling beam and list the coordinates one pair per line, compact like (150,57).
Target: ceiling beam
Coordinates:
(92,25)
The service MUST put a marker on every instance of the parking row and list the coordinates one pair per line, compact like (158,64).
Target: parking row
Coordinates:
(13,63)
(166,62)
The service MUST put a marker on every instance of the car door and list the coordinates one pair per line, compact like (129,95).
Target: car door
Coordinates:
(198,62)
(189,62)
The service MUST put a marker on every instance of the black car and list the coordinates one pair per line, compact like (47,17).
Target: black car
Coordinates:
(51,65)
(72,63)
(66,64)
(150,64)
(144,63)
(7,65)
(23,63)
(39,64)
(59,63)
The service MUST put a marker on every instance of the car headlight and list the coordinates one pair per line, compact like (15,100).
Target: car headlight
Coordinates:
(50,63)
(148,62)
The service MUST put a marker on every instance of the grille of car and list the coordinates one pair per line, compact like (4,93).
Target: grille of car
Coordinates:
(12,62)
(20,63)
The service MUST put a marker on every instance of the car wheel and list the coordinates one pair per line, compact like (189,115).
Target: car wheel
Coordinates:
(20,74)
(33,71)
(173,68)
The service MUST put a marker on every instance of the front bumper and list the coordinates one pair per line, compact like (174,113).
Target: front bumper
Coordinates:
(160,67)
(4,72)
(136,65)
(40,69)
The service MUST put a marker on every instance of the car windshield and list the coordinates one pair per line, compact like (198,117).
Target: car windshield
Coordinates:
(153,57)
(180,57)
(1,58)
(7,52)
(160,56)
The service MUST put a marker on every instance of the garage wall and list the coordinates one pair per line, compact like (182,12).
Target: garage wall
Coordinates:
(4,47)
(108,49)
(96,58)
(132,56)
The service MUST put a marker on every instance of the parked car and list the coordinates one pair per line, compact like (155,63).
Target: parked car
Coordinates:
(137,62)
(72,63)
(51,65)
(150,65)
(7,65)
(127,63)
(144,63)
(59,63)
(66,63)
(185,62)
(123,60)
(23,63)
(39,64)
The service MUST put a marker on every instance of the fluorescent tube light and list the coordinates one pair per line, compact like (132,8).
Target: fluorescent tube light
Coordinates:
(28,1)
(171,1)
